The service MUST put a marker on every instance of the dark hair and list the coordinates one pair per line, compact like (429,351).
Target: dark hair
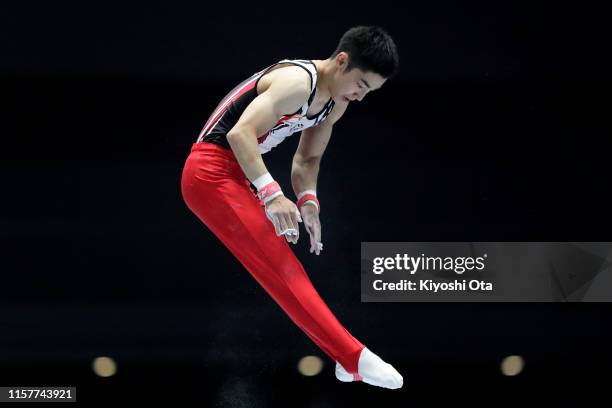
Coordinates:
(370,48)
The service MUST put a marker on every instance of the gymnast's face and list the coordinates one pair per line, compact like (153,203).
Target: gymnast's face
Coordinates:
(354,84)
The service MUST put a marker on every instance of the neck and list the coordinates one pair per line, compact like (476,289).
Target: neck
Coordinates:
(325,73)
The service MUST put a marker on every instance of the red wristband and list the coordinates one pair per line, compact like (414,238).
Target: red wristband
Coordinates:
(309,197)
(269,192)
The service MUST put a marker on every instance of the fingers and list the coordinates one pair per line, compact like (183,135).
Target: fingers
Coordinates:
(284,226)
(296,232)
(285,217)
(274,220)
(282,221)
(293,221)
(278,228)
(316,245)
(289,228)
(291,235)
(313,241)
(317,231)
(294,218)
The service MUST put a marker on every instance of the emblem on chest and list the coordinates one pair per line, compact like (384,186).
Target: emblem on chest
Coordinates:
(291,125)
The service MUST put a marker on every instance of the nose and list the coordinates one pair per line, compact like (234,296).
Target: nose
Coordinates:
(360,95)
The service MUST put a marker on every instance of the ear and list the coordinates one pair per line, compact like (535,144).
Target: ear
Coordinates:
(342,60)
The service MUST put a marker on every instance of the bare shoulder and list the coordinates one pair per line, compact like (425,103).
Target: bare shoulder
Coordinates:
(285,89)
(288,77)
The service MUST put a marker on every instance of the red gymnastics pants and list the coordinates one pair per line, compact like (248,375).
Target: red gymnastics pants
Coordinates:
(217,191)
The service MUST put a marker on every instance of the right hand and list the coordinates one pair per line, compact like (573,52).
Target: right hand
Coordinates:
(284,215)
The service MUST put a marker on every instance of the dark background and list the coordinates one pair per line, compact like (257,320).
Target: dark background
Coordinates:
(496,129)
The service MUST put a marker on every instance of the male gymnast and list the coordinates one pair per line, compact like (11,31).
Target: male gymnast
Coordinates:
(226,160)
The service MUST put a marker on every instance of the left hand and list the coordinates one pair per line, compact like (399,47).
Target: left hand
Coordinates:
(310,217)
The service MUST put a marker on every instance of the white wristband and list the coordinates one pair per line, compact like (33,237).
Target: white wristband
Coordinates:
(262,180)
(303,193)
(312,202)
(272,196)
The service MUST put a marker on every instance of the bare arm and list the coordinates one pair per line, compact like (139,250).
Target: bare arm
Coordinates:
(307,158)
(305,170)
(286,94)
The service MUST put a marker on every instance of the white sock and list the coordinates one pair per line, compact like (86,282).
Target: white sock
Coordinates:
(373,370)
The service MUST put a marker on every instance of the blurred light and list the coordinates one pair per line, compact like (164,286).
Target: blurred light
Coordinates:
(104,366)
(512,365)
(310,365)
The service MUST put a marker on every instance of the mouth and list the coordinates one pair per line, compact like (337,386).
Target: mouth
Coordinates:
(346,99)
